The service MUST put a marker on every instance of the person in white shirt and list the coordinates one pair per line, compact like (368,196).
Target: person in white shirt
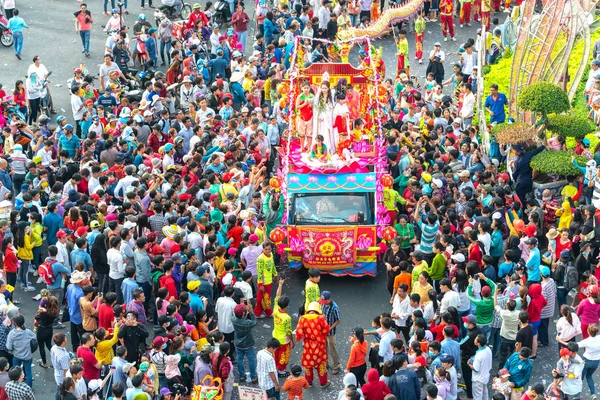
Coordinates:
(245,285)
(116,267)
(468,105)
(468,60)
(125,182)
(450,299)
(481,365)
(402,308)
(385,344)
(224,309)
(63,254)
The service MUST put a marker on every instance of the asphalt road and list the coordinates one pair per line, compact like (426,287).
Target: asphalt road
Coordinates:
(52,36)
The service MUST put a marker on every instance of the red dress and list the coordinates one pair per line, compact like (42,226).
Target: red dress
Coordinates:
(313,329)
(560,247)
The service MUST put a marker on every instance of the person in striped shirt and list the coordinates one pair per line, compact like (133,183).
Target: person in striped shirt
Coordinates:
(429,226)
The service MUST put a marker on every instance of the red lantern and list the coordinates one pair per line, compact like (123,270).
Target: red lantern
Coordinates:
(275,182)
(389,233)
(387,180)
(277,235)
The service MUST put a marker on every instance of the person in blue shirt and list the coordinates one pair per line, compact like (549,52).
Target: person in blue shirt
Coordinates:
(450,346)
(495,104)
(80,254)
(129,284)
(218,66)
(5,178)
(269,28)
(74,294)
(151,47)
(519,367)
(196,302)
(16,24)
(70,142)
(52,223)
(533,262)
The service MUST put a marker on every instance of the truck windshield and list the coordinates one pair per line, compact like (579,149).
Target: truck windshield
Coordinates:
(331,208)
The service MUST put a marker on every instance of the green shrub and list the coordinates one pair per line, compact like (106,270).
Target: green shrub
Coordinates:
(544,98)
(569,125)
(557,162)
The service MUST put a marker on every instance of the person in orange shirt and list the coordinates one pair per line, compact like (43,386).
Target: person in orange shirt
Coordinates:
(404,277)
(356,362)
(295,384)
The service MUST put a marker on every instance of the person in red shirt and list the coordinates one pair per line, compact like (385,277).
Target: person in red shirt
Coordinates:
(374,388)
(91,366)
(166,281)
(195,16)
(106,314)
(234,231)
(11,262)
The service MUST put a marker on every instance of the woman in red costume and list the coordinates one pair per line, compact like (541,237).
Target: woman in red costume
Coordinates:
(313,328)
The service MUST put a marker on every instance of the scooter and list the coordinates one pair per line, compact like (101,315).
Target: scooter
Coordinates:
(6,37)
(222,13)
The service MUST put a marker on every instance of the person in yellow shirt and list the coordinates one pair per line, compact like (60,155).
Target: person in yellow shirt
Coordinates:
(420,265)
(282,330)
(311,288)
(267,272)
(105,344)
(390,199)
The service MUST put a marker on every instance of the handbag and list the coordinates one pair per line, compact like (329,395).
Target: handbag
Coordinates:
(33,345)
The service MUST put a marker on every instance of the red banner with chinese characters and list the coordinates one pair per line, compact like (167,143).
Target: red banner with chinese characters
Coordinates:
(328,248)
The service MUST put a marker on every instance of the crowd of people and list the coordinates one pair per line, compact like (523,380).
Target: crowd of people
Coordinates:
(147,222)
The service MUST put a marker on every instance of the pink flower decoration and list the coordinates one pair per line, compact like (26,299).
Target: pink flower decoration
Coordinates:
(364,242)
(312,179)
(351,178)
(296,244)
(369,178)
(332,178)
(294,179)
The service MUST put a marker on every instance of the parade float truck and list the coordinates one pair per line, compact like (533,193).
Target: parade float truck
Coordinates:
(334,211)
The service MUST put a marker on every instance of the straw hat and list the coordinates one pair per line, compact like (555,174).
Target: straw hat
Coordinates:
(78,276)
(552,234)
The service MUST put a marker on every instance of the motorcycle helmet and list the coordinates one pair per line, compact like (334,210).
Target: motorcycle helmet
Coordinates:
(142,16)
(60,118)
(115,10)
(159,75)
(43,120)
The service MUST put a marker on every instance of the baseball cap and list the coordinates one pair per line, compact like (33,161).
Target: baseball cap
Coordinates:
(127,367)
(129,225)
(61,234)
(458,257)
(471,319)
(503,372)
(565,255)
(325,296)
(595,62)
(96,197)
(532,241)
(545,271)
(176,257)
(486,291)
(168,147)
(447,358)
(437,44)
(239,310)
(165,391)
(160,340)
(564,352)
(94,224)
(253,238)
(192,285)
(81,231)
(94,384)
(163,319)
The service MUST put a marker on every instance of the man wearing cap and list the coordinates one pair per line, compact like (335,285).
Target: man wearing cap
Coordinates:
(74,294)
(549,293)
(533,261)
(243,322)
(484,307)
(70,142)
(331,312)
(468,348)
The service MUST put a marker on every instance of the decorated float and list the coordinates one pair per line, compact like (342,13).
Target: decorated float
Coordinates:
(333,161)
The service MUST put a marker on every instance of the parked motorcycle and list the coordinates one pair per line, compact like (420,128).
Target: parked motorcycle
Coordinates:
(6,37)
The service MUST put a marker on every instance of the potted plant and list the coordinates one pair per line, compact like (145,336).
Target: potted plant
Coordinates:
(544,98)
(569,125)
(551,169)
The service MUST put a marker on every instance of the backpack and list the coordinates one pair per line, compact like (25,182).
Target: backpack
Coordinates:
(45,271)
(571,277)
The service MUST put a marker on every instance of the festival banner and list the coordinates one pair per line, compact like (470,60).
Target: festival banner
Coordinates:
(328,248)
